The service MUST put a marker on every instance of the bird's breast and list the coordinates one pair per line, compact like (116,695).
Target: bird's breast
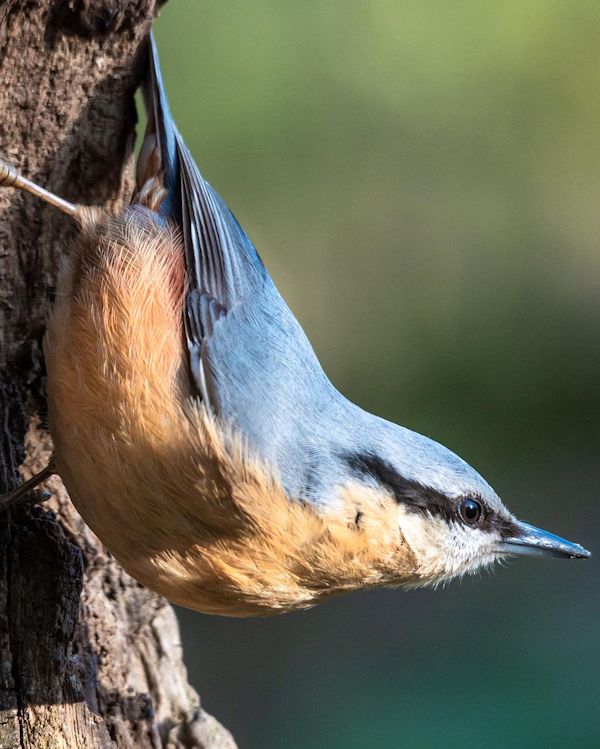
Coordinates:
(183,503)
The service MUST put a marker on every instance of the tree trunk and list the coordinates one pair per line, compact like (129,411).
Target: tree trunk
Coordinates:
(89,658)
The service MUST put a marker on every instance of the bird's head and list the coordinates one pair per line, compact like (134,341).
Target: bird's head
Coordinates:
(448,516)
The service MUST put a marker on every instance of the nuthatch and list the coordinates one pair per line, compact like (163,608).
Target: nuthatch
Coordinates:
(198,436)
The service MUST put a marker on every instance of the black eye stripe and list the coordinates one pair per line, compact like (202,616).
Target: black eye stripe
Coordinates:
(417,497)
(411,493)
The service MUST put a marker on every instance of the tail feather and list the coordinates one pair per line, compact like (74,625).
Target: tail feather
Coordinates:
(158,159)
(221,261)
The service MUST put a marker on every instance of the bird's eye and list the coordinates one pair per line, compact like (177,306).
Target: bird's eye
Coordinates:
(470,511)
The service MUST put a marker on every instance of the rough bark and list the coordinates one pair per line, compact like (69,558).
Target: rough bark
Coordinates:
(89,658)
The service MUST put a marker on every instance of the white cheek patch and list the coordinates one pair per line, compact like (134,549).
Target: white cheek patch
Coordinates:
(445,550)
(427,537)
(468,549)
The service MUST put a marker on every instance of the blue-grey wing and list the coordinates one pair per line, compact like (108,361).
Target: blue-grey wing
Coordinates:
(224,270)
(250,361)
(221,261)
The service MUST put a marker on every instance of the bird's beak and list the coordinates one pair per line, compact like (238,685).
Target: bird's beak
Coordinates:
(531,541)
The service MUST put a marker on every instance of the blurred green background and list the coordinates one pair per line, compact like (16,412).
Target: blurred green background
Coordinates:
(423,182)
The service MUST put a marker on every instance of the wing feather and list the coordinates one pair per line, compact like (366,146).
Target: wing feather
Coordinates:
(222,266)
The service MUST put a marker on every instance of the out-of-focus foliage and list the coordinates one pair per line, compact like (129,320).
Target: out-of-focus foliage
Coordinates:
(422,179)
